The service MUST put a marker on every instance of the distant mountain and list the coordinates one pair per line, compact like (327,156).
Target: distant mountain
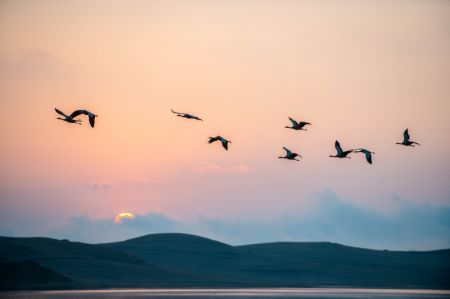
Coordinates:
(181,260)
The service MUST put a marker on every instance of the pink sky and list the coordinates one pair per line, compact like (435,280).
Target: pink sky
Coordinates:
(360,72)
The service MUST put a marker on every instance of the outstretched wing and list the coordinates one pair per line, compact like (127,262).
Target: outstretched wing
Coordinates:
(78,112)
(406,136)
(225,144)
(361,150)
(190,116)
(213,139)
(177,113)
(303,123)
(368,157)
(61,113)
(92,120)
(338,147)
(294,122)
(288,152)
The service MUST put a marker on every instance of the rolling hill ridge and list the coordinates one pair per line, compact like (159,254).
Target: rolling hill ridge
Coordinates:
(182,260)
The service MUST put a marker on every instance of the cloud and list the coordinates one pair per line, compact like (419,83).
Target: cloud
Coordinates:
(99,186)
(134,182)
(410,227)
(219,168)
(30,60)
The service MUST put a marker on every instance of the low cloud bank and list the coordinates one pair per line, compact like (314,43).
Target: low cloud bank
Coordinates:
(410,227)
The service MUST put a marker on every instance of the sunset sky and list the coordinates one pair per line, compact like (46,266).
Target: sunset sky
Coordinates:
(359,71)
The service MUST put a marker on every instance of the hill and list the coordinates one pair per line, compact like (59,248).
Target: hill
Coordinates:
(181,260)
(30,275)
(87,265)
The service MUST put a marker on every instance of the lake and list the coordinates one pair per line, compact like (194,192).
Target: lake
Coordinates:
(317,293)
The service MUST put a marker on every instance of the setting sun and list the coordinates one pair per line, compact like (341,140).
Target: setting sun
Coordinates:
(121,216)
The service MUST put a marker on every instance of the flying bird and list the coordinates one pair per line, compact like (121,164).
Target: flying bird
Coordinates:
(367,153)
(406,141)
(68,118)
(221,139)
(91,116)
(290,155)
(186,115)
(297,125)
(340,153)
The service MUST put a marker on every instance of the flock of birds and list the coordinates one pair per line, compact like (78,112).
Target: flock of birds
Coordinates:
(290,155)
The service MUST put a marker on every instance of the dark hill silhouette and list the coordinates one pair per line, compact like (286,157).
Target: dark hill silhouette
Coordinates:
(325,262)
(186,253)
(181,260)
(89,265)
(31,275)
(171,241)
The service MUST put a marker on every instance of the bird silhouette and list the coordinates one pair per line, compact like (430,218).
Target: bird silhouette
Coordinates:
(290,155)
(68,118)
(186,115)
(297,125)
(406,140)
(91,116)
(221,139)
(367,153)
(340,153)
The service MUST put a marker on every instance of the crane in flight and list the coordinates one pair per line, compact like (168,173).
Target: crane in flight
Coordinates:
(71,118)
(221,139)
(339,152)
(406,140)
(186,115)
(297,125)
(290,155)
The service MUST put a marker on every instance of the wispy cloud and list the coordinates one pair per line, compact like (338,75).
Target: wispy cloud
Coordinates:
(34,60)
(219,168)
(99,186)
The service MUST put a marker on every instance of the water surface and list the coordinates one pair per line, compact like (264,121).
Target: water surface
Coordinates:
(317,293)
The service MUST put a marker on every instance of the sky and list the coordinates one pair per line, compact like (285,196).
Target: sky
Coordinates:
(360,71)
